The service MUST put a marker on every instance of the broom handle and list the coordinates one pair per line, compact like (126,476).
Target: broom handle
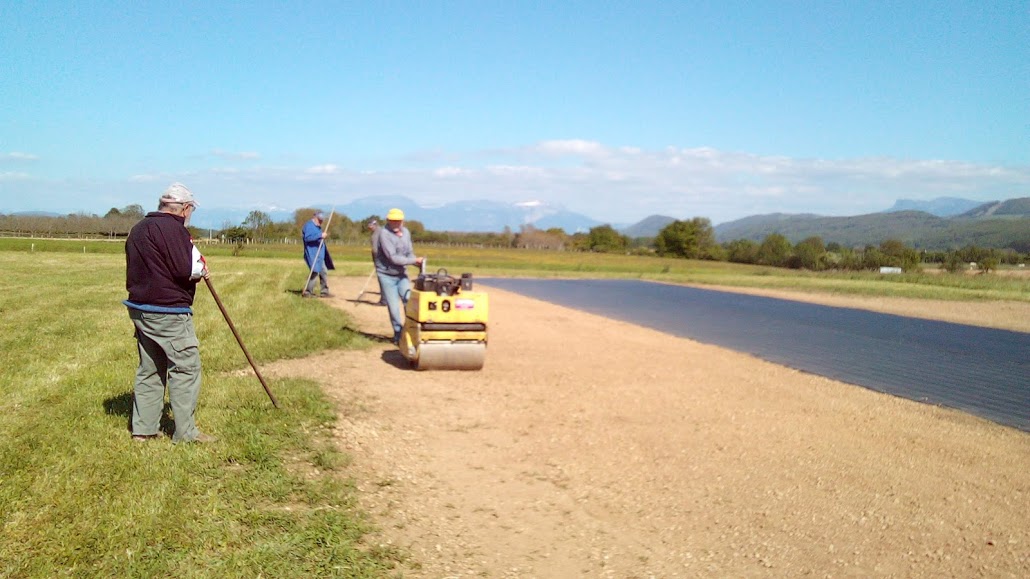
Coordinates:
(232,327)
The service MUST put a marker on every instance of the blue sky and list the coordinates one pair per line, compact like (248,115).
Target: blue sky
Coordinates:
(617,110)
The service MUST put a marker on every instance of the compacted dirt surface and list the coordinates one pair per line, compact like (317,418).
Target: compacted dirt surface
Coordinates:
(588,447)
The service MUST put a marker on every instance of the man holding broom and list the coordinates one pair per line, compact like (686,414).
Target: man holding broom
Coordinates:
(316,255)
(162,269)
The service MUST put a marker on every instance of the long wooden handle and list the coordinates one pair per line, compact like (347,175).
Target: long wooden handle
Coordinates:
(232,327)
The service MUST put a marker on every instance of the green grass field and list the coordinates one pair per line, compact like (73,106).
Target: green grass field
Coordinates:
(272,497)
(79,498)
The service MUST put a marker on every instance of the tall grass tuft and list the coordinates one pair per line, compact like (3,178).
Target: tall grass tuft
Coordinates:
(78,497)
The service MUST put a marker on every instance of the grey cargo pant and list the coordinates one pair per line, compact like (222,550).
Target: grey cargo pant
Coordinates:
(169,355)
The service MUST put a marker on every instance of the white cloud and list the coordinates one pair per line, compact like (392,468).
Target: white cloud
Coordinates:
(236,156)
(145,178)
(328,169)
(508,170)
(571,147)
(18,156)
(450,172)
(13,176)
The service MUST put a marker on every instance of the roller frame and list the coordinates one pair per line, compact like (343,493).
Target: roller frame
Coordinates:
(441,340)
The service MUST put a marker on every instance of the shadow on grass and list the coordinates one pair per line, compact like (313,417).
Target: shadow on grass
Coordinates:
(121,405)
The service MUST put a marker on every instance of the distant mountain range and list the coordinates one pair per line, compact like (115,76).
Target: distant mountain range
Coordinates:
(461,216)
(479,215)
(941,206)
(935,224)
(998,224)
(649,227)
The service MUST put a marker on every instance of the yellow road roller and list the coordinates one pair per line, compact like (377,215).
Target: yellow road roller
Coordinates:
(445,323)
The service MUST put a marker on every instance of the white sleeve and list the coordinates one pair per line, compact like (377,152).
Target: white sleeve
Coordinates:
(199,265)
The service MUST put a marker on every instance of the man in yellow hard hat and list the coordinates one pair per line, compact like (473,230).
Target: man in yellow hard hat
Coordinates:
(394,253)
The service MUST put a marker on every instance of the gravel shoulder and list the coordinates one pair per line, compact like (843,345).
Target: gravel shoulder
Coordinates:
(596,448)
(1003,315)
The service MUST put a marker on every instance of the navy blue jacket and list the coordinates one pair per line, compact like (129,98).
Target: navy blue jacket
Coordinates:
(159,262)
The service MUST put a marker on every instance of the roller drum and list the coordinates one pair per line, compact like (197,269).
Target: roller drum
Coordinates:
(451,356)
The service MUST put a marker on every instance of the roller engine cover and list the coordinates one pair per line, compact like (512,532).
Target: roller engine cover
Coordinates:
(442,283)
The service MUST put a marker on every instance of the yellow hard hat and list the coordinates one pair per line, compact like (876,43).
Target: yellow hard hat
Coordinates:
(395,215)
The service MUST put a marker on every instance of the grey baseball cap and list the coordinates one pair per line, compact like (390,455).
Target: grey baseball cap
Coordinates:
(178,193)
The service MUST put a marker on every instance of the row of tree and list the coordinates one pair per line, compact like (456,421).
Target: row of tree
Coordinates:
(258,227)
(690,239)
(695,239)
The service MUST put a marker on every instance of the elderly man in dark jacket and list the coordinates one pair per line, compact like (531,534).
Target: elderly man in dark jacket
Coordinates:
(162,268)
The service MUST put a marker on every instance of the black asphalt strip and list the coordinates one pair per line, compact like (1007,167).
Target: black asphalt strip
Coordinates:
(982,371)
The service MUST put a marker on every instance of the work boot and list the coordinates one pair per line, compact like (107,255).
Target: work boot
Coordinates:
(327,295)
(305,294)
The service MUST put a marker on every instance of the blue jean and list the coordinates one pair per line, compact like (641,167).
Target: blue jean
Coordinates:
(396,290)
